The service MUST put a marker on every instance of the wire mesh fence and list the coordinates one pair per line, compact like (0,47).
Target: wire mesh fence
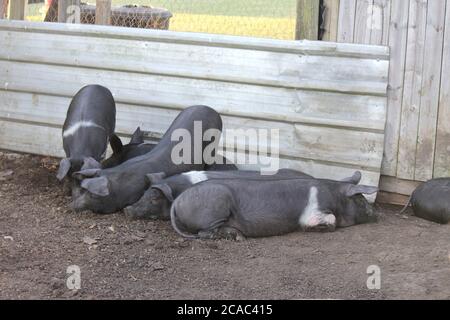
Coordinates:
(259,18)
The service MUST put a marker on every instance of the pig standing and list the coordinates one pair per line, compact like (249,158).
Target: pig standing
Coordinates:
(156,201)
(241,208)
(112,189)
(431,201)
(90,122)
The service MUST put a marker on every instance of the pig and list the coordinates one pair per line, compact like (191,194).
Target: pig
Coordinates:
(156,201)
(110,190)
(240,208)
(137,147)
(431,201)
(90,122)
(122,153)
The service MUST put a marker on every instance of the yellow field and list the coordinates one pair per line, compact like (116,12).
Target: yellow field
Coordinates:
(275,28)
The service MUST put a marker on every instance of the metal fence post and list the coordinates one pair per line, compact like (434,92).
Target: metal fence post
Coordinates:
(103,12)
(307,25)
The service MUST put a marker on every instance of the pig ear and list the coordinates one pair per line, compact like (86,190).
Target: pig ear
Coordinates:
(116,143)
(154,178)
(90,163)
(352,190)
(89,173)
(97,186)
(355,179)
(137,137)
(165,189)
(64,167)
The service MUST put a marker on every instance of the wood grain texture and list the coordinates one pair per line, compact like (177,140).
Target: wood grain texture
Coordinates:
(412,89)
(312,72)
(346,24)
(307,24)
(398,32)
(381,17)
(429,105)
(442,159)
(103,12)
(331,20)
(363,21)
(17,9)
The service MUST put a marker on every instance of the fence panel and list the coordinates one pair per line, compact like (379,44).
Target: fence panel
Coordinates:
(330,112)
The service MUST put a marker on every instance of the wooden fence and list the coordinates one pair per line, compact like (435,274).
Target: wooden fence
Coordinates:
(327,100)
(417,145)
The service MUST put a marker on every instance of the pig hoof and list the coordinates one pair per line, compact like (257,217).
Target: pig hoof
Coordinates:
(231,234)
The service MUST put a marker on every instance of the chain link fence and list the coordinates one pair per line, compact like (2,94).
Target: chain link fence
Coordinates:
(258,18)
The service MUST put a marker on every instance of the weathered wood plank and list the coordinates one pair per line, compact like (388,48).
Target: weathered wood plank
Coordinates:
(399,186)
(307,24)
(347,16)
(381,15)
(398,43)
(363,21)
(17,9)
(203,39)
(442,161)
(234,65)
(392,198)
(331,20)
(429,104)
(103,12)
(412,89)
(302,141)
(243,100)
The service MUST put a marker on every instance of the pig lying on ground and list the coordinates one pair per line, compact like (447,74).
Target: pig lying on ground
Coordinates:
(112,189)
(240,208)
(156,201)
(431,201)
(90,121)
(137,147)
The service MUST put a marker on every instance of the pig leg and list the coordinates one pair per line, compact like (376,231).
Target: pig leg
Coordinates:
(320,222)
(201,211)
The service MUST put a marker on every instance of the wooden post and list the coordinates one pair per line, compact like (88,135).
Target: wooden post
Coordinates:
(307,26)
(17,10)
(103,12)
(69,11)
(3,8)
(330,20)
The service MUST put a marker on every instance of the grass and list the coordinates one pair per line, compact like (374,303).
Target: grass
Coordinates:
(257,18)
(245,8)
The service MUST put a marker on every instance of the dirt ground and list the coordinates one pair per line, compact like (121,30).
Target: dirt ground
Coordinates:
(123,259)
